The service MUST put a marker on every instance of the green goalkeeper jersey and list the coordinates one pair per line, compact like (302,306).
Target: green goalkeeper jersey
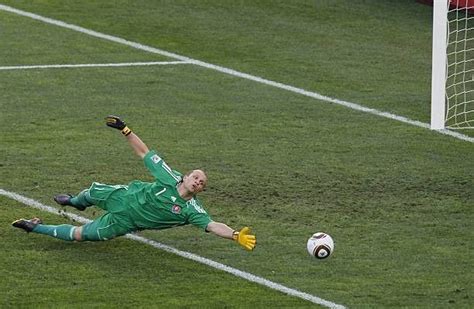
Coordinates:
(156,205)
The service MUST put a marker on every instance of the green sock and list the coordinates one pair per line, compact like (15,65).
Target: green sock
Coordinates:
(63,231)
(83,199)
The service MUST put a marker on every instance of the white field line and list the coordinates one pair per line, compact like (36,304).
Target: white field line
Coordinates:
(187,255)
(89,65)
(311,94)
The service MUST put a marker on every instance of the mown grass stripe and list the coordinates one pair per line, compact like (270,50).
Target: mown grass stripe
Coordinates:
(238,273)
(232,72)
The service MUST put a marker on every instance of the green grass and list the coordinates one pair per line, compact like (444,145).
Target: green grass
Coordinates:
(397,199)
(42,272)
(352,51)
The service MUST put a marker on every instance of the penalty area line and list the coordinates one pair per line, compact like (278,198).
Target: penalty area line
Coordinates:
(90,65)
(236,272)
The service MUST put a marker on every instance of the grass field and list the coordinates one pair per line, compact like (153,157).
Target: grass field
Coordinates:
(397,198)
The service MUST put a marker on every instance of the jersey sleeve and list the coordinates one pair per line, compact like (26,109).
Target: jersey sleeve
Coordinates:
(200,220)
(198,216)
(159,169)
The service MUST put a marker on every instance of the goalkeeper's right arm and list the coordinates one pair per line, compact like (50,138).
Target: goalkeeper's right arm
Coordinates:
(134,141)
(242,237)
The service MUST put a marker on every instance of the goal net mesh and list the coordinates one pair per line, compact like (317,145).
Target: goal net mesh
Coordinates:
(460,66)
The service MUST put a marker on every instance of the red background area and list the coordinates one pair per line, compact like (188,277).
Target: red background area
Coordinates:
(469,4)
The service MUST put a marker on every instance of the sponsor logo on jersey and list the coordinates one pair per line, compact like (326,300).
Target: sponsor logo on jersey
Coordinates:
(176,209)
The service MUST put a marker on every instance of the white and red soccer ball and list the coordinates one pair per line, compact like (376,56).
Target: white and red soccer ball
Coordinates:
(320,245)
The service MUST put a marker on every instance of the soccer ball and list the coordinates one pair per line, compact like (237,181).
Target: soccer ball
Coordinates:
(320,245)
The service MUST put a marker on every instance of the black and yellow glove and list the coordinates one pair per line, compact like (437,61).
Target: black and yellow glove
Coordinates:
(245,239)
(117,123)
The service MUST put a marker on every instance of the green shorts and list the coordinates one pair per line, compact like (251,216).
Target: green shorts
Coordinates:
(116,221)
(105,227)
(108,197)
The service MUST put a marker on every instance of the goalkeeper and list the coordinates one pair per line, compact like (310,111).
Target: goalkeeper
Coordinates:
(167,202)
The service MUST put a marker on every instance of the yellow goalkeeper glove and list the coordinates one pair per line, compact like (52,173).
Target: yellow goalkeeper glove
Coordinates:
(244,239)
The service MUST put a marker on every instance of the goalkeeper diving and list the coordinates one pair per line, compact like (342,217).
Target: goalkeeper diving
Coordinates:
(167,202)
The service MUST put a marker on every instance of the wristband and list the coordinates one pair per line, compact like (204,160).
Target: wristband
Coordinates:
(235,235)
(126,131)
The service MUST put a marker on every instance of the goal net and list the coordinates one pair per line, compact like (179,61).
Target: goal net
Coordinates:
(454,25)
(460,65)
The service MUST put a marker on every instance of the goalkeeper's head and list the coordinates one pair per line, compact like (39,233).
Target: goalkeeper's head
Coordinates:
(195,181)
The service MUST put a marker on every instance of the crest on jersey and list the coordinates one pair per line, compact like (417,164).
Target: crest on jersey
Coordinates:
(176,209)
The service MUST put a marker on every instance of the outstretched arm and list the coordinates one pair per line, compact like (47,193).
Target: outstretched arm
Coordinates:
(138,146)
(242,237)
(134,141)
(220,229)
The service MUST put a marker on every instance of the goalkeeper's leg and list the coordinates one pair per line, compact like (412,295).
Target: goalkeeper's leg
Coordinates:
(35,225)
(63,231)
(80,201)
(107,197)
(105,227)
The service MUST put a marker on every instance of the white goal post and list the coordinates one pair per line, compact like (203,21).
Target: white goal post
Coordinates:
(452,83)
(438,67)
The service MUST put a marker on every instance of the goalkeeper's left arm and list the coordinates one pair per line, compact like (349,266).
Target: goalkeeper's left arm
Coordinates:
(135,142)
(242,237)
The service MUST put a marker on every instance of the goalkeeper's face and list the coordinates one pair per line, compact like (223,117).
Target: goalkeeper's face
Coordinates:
(195,181)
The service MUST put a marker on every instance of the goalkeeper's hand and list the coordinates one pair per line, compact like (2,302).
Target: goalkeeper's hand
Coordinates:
(117,123)
(245,239)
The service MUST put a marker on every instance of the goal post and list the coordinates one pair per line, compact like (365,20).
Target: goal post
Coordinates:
(438,68)
(452,81)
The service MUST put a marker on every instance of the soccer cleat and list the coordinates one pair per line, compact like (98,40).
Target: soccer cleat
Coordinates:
(27,225)
(65,200)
